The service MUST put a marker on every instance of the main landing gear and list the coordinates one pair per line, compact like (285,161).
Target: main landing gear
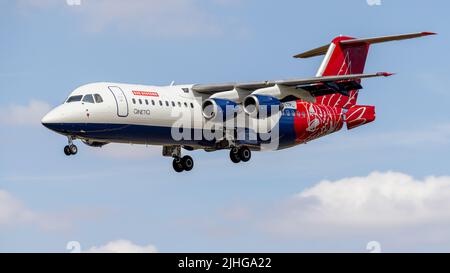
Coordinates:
(185,163)
(179,164)
(240,154)
(70,149)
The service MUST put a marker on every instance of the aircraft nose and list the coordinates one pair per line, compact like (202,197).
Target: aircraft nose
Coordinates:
(52,119)
(48,118)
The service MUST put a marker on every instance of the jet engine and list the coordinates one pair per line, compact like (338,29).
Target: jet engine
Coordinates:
(219,109)
(261,106)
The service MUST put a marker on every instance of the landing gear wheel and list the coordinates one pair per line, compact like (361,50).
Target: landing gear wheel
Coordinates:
(67,150)
(73,149)
(188,163)
(177,165)
(245,154)
(234,155)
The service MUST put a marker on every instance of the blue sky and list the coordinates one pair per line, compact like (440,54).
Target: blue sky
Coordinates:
(387,181)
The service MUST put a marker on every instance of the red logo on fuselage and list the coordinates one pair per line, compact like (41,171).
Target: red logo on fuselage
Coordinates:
(145,93)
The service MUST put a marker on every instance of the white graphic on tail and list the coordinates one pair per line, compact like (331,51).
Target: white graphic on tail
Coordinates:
(333,100)
(347,62)
(321,120)
(359,120)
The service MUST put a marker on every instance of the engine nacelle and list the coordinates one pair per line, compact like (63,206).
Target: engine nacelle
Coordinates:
(94,143)
(261,106)
(219,109)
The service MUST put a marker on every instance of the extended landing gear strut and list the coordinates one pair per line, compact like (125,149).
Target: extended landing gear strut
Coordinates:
(179,164)
(240,154)
(70,149)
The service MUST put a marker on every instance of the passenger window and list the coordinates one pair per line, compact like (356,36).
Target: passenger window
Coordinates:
(192,105)
(179,104)
(167,103)
(74,98)
(98,98)
(88,98)
(160,103)
(173,104)
(140,101)
(134,101)
(153,102)
(146,102)
(185,104)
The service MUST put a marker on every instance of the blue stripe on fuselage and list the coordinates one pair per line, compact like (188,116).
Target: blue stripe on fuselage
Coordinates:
(287,130)
(147,134)
(124,133)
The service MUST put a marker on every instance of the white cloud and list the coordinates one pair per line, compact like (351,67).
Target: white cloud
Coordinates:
(13,213)
(122,246)
(26,115)
(375,204)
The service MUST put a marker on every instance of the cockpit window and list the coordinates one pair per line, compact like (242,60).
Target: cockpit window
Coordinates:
(98,98)
(74,98)
(88,98)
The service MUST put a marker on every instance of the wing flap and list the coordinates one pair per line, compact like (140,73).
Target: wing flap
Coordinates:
(321,89)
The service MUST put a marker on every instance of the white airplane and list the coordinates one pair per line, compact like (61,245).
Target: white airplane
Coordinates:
(241,117)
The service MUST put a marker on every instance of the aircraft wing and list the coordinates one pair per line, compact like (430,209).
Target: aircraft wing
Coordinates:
(315,85)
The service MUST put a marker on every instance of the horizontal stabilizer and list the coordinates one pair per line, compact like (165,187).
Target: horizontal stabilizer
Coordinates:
(374,40)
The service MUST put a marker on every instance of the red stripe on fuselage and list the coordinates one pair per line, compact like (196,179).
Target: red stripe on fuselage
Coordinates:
(145,93)
(314,120)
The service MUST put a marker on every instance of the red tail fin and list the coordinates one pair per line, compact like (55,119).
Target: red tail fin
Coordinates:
(342,60)
(346,55)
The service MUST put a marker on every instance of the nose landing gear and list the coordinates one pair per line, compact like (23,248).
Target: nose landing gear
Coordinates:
(70,149)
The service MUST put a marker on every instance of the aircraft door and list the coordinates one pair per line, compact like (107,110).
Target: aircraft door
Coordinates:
(121,100)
